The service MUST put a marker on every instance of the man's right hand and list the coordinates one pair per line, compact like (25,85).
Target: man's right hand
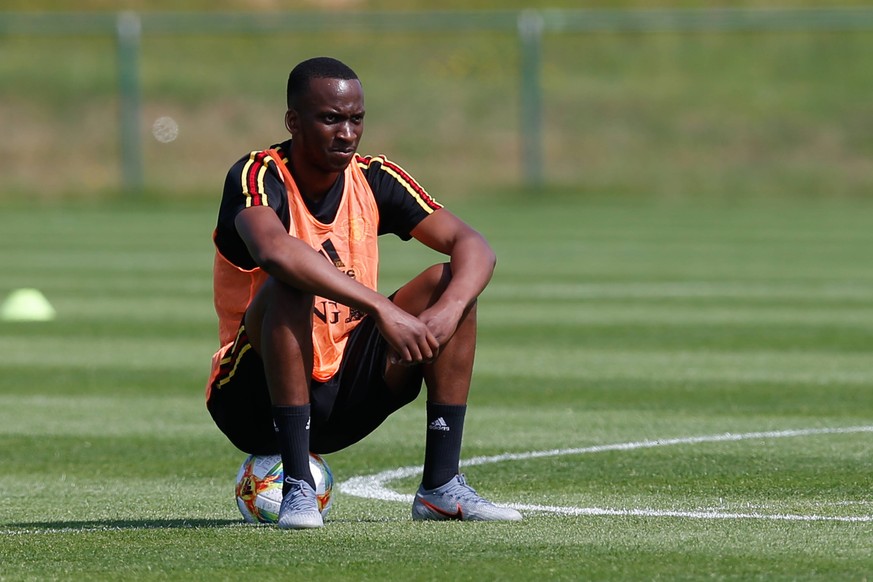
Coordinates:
(410,339)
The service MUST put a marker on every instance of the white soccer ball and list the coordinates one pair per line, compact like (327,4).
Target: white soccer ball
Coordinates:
(259,487)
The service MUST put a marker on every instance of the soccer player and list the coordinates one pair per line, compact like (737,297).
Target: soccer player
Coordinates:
(312,357)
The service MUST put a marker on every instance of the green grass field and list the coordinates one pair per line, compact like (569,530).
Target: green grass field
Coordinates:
(626,337)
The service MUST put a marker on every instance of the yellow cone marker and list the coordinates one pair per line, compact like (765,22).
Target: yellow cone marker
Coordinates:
(27,305)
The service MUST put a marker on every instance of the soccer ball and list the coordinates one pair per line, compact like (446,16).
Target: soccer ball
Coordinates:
(259,487)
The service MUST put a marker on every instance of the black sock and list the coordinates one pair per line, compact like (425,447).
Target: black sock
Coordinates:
(442,449)
(292,426)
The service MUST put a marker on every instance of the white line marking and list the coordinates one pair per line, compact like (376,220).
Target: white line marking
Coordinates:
(374,486)
(700,514)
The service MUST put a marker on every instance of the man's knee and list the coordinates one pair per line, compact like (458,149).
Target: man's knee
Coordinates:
(294,302)
(425,289)
(283,303)
(437,277)
(275,306)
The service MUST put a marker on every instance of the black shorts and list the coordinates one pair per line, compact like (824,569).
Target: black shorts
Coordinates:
(345,409)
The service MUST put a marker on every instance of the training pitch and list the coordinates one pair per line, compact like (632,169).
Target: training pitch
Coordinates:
(666,391)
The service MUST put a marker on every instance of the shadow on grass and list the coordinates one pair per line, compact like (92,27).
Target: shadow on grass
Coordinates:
(33,527)
(122,524)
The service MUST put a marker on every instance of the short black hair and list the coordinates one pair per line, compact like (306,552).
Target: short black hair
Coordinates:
(315,68)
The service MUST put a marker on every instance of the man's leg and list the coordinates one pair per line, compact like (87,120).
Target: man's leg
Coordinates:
(444,494)
(279,323)
(447,378)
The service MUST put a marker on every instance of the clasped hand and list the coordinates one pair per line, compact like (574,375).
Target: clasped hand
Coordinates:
(417,340)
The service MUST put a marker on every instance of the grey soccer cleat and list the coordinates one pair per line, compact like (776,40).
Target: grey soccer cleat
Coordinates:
(299,509)
(457,500)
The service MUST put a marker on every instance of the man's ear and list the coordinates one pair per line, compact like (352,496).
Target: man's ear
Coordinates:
(291,121)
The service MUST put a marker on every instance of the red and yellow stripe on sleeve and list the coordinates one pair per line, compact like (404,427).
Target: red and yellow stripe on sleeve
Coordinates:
(253,174)
(418,193)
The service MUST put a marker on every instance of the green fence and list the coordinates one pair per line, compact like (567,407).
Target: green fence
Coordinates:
(543,66)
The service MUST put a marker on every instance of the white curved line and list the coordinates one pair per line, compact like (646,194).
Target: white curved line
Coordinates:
(374,486)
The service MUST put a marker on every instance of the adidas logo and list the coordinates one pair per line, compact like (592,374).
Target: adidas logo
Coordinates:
(439,424)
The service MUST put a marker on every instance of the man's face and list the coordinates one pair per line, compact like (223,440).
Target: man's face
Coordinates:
(327,123)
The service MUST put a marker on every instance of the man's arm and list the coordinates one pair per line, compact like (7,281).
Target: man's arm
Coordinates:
(472,262)
(296,264)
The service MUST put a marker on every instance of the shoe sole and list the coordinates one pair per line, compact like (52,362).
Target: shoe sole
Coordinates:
(311,524)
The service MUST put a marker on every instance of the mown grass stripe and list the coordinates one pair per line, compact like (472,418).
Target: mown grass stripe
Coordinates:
(650,291)
(758,366)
